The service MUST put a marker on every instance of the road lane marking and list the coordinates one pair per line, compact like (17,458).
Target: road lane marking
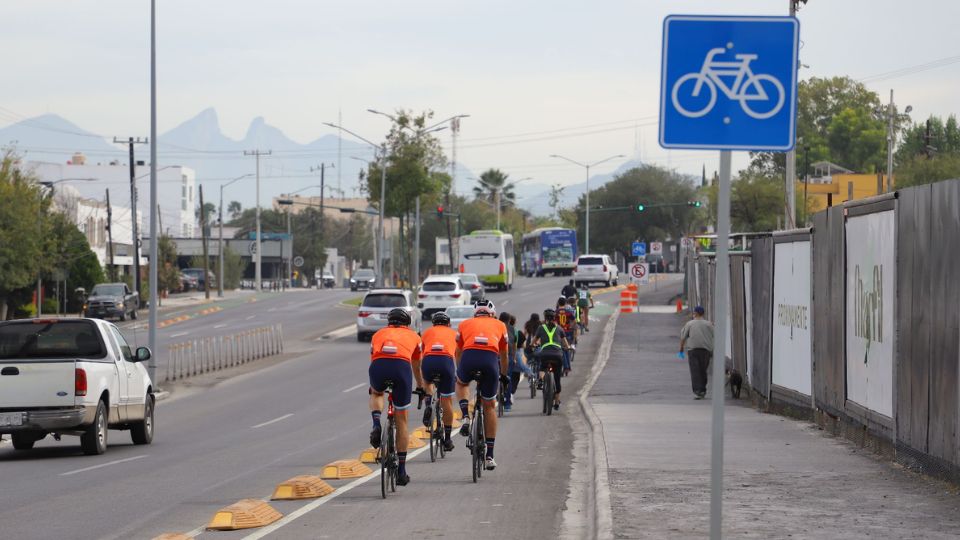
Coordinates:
(219,326)
(268,422)
(271,310)
(250,317)
(178,334)
(361,385)
(338,333)
(116,462)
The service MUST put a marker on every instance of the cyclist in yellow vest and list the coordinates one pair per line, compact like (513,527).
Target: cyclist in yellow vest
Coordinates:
(552,343)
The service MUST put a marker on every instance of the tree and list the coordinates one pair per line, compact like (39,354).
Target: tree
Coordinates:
(928,138)
(235,209)
(233,267)
(168,274)
(923,170)
(492,182)
(22,230)
(556,195)
(209,209)
(68,256)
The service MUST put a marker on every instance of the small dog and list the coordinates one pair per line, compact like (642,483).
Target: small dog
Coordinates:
(735,381)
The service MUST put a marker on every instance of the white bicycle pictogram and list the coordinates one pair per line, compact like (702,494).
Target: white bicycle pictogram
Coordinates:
(747,87)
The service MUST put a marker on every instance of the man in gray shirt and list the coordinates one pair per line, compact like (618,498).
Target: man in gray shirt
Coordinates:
(696,338)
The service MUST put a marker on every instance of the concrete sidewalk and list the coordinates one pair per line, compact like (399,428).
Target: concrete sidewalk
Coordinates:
(782,478)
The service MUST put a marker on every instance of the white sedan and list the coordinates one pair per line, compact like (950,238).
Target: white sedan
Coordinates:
(437,293)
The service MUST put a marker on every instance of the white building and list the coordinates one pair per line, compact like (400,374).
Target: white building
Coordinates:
(176,189)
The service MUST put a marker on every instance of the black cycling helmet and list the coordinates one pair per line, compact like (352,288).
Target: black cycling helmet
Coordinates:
(549,315)
(398,317)
(440,319)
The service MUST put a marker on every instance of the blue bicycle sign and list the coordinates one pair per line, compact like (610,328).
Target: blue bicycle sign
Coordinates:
(729,83)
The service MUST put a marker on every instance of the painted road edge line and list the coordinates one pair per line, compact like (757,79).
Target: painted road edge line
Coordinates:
(107,464)
(352,388)
(289,518)
(268,422)
(603,515)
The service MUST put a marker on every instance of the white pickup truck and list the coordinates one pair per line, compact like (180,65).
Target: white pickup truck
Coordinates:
(72,377)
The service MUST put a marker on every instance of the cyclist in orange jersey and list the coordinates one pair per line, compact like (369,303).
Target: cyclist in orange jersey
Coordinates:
(440,349)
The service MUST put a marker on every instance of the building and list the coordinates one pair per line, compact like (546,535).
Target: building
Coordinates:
(176,191)
(831,184)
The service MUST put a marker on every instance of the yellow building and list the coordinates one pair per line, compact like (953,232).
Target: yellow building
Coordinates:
(831,184)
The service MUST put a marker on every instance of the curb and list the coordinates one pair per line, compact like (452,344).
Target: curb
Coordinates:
(602,524)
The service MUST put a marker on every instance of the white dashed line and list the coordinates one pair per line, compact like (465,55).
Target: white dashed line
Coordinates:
(178,334)
(352,388)
(268,422)
(117,462)
(219,326)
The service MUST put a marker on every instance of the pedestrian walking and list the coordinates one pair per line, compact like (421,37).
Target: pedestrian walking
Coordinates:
(696,338)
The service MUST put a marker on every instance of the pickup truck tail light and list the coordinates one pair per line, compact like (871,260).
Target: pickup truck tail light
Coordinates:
(79,382)
(604,268)
(363,314)
(455,295)
(501,268)
(421,295)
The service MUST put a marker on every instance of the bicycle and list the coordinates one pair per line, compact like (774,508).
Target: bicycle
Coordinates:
(501,398)
(387,452)
(533,362)
(746,86)
(436,427)
(477,440)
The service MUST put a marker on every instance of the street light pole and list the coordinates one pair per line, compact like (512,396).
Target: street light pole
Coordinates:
(587,167)
(220,241)
(258,257)
(155,215)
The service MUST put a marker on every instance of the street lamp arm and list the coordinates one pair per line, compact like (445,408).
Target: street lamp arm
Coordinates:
(606,160)
(248,175)
(568,159)
(335,126)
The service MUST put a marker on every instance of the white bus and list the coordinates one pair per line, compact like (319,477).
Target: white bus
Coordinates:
(489,255)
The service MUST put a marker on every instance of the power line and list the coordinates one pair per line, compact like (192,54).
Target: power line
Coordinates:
(910,70)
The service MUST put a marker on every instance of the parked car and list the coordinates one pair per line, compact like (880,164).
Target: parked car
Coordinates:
(111,300)
(595,268)
(188,283)
(327,281)
(458,314)
(197,274)
(437,293)
(656,262)
(372,314)
(363,278)
(473,284)
(72,377)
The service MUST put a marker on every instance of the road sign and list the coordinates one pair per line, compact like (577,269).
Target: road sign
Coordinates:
(638,249)
(253,248)
(729,83)
(640,273)
(656,248)
(686,242)
(298,261)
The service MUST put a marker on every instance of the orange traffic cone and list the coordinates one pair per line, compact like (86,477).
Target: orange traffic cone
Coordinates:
(679,306)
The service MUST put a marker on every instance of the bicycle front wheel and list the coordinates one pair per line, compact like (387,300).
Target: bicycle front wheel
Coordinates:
(439,429)
(475,447)
(688,97)
(548,393)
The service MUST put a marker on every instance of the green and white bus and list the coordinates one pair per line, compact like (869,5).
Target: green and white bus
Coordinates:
(489,255)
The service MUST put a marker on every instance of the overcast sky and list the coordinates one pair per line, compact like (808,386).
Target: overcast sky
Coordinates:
(524,71)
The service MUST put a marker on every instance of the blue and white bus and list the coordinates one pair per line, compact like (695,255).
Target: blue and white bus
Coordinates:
(549,249)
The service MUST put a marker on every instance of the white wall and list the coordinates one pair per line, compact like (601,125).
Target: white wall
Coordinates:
(871,243)
(792,357)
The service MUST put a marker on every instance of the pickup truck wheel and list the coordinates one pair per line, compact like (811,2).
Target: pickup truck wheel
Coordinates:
(23,441)
(123,316)
(134,315)
(142,432)
(94,438)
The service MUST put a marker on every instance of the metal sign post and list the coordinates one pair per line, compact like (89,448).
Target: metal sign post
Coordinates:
(727,83)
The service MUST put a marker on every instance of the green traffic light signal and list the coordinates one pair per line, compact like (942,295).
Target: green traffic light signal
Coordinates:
(695,204)
(641,208)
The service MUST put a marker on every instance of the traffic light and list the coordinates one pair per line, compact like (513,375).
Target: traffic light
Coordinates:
(440,212)
(641,208)
(695,204)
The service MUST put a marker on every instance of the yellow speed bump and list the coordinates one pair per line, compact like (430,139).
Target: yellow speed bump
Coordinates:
(421,433)
(415,442)
(173,536)
(368,456)
(244,514)
(345,468)
(301,487)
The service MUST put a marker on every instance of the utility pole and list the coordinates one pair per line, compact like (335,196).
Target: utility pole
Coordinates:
(154,203)
(791,164)
(416,252)
(206,253)
(133,207)
(890,143)
(112,271)
(339,157)
(257,256)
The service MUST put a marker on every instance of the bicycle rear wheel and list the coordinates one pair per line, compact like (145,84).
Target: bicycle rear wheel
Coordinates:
(501,396)
(439,430)
(548,393)
(475,446)
(393,456)
(481,439)
(383,455)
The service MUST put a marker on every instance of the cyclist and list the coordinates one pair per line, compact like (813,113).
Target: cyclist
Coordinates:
(511,355)
(569,289)
(552,343)
(440,349)
(481,340)
(585,303)
(530,327)
(392,351)
(567,321)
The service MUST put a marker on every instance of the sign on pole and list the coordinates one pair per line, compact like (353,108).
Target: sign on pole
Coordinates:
(729,83)
(640,273)
(298,261)
(656,248)
(638,249)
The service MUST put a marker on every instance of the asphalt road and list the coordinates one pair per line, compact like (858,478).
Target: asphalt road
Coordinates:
(237,438)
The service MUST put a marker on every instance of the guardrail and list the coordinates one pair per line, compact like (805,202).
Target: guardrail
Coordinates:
(205,355)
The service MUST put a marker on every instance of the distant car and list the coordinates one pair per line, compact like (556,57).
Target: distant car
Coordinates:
(197,274)
(656,262)
(363,278)
(188,283)
(372,314)
(458,314)
(473,284)
(328,281)
(111,300)
(437,293)
(595,268)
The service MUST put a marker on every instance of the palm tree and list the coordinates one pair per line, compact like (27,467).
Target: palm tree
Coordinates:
(235,209)
(490,183)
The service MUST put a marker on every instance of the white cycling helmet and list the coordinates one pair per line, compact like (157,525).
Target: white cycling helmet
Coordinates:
(484,308)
